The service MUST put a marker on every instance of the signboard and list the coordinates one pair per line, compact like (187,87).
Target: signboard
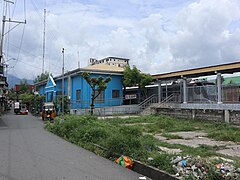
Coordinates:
(131,96)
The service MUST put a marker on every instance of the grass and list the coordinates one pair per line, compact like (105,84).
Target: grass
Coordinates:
(166,124)
(138,141)
(171,136)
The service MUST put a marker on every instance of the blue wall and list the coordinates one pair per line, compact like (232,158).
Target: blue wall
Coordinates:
(78,83)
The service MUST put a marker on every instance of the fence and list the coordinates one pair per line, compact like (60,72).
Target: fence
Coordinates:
(202,94)
(105,111)
(208,94)
(98,103)
(231,93)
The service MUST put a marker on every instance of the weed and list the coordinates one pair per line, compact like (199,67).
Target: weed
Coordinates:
(171,136)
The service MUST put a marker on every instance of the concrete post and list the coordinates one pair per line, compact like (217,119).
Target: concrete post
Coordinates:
(69,86)
(184,90)
(193,114)
(159,92)
(166,90)
(219,88)
(226,116)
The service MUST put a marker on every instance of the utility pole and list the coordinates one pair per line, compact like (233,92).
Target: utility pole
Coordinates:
(78,60)
(4,20)
(1,49)
(44,34)
(63,84)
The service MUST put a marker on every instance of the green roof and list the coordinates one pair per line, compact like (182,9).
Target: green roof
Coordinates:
(231,80)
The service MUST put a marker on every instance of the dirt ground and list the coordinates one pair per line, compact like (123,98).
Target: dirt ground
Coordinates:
(197,138)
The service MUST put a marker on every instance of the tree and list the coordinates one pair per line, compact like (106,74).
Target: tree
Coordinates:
(134,77)
(58,104)
(12,95)
(24,86)
(42,77)
(97,84)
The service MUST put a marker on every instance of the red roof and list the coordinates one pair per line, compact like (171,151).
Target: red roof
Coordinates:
(18,87)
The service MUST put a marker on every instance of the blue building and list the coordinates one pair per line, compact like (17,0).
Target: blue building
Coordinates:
(78,91)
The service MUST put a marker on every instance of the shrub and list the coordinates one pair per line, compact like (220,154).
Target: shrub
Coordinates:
(118,145)
(162,161)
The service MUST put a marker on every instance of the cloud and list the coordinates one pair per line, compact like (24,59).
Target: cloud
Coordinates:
(203,34)
(157,36)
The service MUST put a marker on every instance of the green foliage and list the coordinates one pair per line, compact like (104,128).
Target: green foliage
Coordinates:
(12,95)
(42,77)
(131,77)
(33,102)
(58,104)
(24,86)
(117,139)
(162,161)
(97,84)
(225,133)
(134,77)
(26,98)
(171,136)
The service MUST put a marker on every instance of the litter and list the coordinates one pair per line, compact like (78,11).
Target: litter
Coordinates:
(125,162)
(198,168)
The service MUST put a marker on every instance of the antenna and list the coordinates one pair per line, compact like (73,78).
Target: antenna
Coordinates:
(78,60)
(44,34)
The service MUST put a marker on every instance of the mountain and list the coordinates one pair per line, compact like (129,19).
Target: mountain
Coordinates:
(12,80)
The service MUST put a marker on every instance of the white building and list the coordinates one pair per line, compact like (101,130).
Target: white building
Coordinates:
(113,61)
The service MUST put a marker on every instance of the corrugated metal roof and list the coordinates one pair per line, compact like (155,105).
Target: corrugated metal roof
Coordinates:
(104,67)
(203,71)
(231,80)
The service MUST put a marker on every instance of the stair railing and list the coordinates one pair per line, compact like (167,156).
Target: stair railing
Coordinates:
(147,102)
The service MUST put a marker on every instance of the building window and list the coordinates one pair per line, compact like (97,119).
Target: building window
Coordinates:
(115,93)
(100,98)
(78,95)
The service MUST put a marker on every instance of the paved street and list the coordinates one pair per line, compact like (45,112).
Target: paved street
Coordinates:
(27,151)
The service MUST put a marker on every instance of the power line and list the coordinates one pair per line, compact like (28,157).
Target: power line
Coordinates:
(34,55)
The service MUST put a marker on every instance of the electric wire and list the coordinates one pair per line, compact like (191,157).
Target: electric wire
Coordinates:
(36,67)
(34,55)
(15,4)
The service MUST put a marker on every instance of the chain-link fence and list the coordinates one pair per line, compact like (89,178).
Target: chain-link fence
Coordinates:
(208,94)
(202,94)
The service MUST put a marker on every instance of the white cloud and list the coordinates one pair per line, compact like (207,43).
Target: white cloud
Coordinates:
(156,36)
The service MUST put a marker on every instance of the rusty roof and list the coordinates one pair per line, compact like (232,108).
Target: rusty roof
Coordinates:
(203,71)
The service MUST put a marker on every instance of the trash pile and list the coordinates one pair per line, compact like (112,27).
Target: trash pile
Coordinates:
(227,171)
(199,168)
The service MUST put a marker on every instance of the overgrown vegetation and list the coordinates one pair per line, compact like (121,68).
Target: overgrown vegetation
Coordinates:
(112,138)
(134,77)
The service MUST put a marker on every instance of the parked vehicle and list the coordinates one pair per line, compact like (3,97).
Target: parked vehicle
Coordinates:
(23,110)
(17,107)
(48,111)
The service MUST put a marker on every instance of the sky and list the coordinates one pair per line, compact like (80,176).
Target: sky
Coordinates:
(157,36)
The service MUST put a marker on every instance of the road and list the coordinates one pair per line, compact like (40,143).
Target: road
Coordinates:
(27,151)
